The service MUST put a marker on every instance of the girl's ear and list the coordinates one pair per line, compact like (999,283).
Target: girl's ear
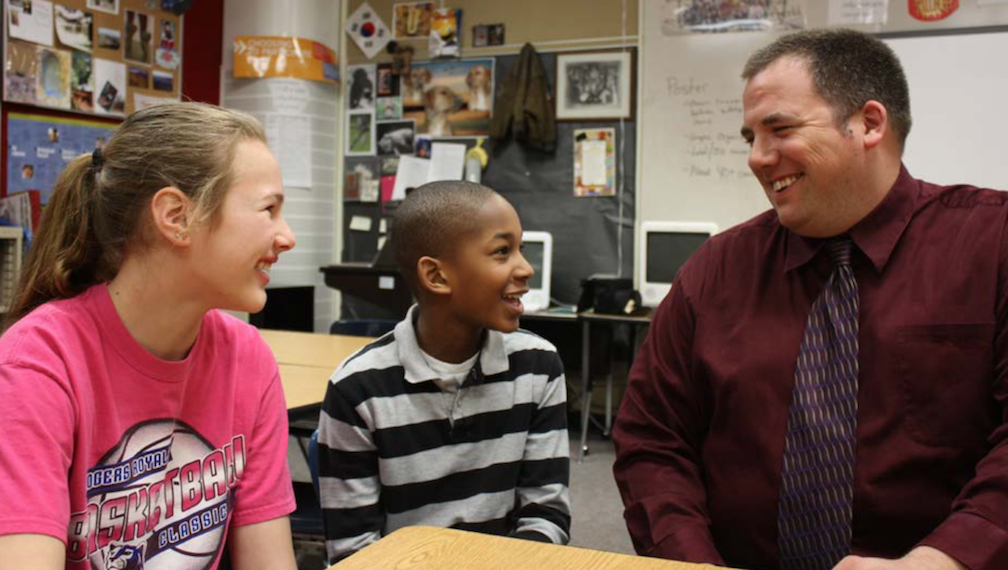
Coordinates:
(433,276)
(171,211)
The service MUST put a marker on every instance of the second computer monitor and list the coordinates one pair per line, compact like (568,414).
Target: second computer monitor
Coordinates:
(665,247)
(537,247)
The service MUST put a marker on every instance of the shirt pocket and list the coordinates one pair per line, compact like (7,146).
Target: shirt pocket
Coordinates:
(945,374)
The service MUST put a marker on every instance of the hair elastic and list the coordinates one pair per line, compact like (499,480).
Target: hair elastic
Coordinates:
(97,160)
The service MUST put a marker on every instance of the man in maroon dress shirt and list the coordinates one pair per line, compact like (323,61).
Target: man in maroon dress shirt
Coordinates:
(700,435)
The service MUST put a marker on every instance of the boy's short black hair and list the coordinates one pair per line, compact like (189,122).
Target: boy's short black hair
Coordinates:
(433,220)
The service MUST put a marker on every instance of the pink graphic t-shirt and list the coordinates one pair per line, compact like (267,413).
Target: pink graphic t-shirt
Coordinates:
(131,460)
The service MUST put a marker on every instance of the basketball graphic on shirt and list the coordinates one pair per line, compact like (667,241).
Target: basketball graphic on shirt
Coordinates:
(159,499)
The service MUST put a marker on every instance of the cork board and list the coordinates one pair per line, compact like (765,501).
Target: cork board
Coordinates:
(100,57)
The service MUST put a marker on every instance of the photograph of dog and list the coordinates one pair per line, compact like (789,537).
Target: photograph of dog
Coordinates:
(439,102)
(479,82)
(362,87)
(414,84)
(395,137)
(449,98)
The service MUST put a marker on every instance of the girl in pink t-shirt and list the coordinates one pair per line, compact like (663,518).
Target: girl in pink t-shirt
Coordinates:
(141,427)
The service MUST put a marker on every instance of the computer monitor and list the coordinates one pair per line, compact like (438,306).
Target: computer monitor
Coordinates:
(665,247)
(537,247)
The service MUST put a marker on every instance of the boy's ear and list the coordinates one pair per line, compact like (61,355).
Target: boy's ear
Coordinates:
(432,275)
(171,211)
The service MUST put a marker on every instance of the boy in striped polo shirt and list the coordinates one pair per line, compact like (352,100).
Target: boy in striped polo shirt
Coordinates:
(456,418)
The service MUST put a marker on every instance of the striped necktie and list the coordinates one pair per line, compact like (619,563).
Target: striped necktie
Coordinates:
(814,515)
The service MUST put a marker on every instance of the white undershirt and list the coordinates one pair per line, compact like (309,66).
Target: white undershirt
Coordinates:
(450,378)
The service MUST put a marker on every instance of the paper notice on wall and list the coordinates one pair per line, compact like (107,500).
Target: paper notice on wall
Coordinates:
(413,172)
(31,20)
(846,12)
(289,137)
(447,161)
(593,163)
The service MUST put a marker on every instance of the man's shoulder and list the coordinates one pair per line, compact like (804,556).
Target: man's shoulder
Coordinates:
(961,196)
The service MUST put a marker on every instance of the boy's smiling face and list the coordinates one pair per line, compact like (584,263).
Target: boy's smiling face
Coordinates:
(487,271)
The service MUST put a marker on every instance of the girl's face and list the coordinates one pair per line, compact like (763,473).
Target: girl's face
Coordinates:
(233,259)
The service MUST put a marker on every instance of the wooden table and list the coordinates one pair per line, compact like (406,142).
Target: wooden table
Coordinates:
(429,548)
(307,360)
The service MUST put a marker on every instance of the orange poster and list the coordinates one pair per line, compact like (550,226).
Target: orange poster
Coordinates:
(275,56)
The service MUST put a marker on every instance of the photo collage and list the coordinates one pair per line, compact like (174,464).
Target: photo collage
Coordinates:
(104,57)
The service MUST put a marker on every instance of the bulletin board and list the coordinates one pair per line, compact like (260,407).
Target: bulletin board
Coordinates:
(99,57)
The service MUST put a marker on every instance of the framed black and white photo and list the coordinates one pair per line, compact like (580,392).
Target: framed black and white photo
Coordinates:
(395,138)
(595,85)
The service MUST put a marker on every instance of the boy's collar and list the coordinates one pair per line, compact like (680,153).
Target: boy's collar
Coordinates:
(492,360)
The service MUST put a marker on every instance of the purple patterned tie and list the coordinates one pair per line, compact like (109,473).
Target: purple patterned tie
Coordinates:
(814,516)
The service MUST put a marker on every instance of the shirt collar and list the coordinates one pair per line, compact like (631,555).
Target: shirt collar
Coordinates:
(492,360)
(875,235)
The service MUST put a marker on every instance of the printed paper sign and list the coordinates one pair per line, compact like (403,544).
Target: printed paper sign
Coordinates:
(276,56)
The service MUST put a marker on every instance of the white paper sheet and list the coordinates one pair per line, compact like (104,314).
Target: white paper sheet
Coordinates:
(289,137)
(110,87)
(35,25)
(447,161)
(141,101)
(593,163)
(413,172)
(360,224)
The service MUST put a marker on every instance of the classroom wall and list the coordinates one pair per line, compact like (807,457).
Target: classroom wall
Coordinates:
(591,235)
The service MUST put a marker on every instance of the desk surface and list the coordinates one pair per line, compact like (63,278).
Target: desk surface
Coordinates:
(429,548)
(307,360)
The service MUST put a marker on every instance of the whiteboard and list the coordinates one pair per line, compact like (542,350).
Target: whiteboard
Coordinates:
(693,159)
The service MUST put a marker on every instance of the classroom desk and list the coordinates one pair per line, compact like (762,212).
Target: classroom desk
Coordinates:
(429,548)
(586,319)
(306,361)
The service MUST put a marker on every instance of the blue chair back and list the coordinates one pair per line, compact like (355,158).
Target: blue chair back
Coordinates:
(313,462)
(362,327)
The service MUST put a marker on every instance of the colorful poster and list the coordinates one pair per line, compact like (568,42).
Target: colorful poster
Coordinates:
(716,16)
(449,98)
(166,55)
(276,56)
(445,33)
(932,10)
(138,37)
(81,83)
(412,19)
(20,72)
(594,162)
(40,147)
(52,83)
(368,31)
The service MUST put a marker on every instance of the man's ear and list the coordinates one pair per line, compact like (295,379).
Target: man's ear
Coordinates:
(875,121)
(432,275)
(171,211)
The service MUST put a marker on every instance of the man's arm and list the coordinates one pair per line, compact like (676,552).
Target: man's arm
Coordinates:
(349,487)
(32,552)
(658,434)
(262,546)
(543,496)
(920,558)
